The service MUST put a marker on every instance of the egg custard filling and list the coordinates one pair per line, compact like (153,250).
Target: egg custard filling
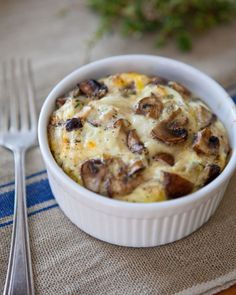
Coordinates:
(137,138)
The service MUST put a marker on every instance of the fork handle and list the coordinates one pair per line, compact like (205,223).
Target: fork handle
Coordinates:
(19,279)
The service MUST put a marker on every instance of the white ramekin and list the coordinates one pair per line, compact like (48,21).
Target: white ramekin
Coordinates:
(133,224)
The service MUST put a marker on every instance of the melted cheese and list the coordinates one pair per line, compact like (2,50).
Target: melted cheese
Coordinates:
(71,149)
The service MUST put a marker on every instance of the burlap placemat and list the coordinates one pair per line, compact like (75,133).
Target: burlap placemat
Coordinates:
(68,261)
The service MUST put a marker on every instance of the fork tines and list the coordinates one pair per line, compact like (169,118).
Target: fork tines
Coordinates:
(17,108)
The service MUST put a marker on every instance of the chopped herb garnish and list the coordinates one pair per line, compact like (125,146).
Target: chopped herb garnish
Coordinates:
(78,104)
(170,96)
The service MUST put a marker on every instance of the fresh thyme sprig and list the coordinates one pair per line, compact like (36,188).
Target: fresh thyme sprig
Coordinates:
(169,19)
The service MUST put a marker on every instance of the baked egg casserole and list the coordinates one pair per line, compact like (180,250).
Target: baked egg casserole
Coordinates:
(137,138)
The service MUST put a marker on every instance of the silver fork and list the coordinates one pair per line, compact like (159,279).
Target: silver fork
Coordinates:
(18,132)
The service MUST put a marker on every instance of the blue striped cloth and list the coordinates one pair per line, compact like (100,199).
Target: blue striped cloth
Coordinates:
(38,192)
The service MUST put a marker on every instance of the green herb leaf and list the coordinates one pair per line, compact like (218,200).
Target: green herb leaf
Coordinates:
(184,42)
(170,19)
(77,104)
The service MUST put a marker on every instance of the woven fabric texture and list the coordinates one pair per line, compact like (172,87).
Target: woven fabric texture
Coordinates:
(68,261)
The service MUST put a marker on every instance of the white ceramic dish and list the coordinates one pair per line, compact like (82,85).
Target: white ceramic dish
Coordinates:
(133,224)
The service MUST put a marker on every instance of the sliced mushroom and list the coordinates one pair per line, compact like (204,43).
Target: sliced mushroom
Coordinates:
(93,89)
(128,89)
(93,173)
(213,171)
(75,92)
(204,117)
(136,167)
(206,143)
(55,121)
(60,101)
(134,143)
(180,88)
(165,157)
(179,117)
(73,124)
(171,131)
(157,80)
(176,186)
(111,177)
(98,117)
(123,179)
(122,123)
(131,137)
(122,186)
(150,106)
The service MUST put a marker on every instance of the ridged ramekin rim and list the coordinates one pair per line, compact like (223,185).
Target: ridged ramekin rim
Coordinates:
(104,201)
